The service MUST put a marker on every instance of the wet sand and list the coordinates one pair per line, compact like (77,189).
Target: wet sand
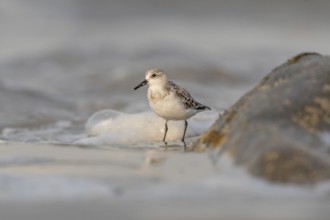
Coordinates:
(116,183)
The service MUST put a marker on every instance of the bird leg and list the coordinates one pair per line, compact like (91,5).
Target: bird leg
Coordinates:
(166,128)
(185,129)
(184,134)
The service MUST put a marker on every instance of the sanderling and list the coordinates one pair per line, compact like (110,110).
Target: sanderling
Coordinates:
(170,101)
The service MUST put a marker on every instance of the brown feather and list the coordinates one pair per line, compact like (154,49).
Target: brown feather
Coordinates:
(188,100)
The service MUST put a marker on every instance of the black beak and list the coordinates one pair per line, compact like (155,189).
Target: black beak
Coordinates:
(144,82)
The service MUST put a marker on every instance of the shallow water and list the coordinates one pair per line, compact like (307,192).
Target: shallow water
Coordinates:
(38,181)
(62,61)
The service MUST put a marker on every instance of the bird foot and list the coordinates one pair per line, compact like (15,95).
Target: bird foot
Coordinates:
(165,149)
(184,145)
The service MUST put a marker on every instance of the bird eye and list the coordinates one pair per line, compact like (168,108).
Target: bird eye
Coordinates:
(153,75)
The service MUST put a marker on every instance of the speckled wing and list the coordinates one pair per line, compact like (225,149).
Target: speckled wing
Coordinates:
(187,99)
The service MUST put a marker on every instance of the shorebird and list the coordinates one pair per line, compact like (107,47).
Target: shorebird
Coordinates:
(169,100)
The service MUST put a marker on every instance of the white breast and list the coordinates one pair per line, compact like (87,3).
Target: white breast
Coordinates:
(168,105)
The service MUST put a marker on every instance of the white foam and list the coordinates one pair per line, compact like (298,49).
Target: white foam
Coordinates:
(112,127)
(47,133)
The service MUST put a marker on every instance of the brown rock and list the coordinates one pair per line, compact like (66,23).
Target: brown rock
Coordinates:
(274,130)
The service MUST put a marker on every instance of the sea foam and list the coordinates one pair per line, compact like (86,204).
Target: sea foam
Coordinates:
(113,127)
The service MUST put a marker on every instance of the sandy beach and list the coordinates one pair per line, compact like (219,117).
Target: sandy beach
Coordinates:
(61,182)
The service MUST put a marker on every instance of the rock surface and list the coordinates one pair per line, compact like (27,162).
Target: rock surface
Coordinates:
(275,130)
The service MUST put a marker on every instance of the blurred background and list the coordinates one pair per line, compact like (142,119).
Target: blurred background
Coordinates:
(62,60)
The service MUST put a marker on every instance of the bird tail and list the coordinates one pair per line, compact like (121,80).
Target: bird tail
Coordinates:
(203,107)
